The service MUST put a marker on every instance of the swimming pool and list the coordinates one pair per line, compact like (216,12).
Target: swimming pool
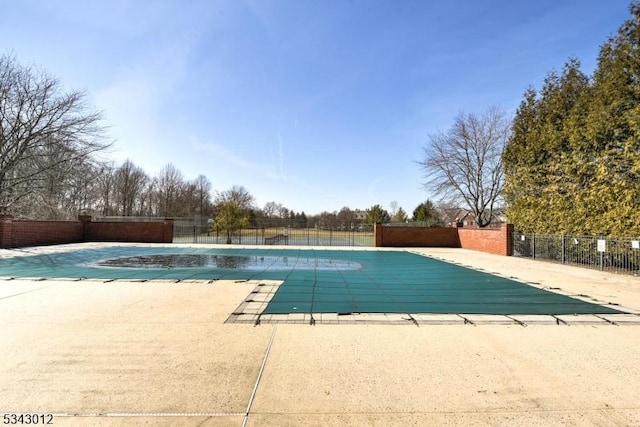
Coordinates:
(315,280)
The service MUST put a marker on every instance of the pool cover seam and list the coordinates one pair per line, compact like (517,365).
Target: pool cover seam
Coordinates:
(313,292)
(384,291)
(346,285)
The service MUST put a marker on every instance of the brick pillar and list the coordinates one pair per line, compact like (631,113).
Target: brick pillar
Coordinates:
(507,236)
(167,231)
(6,231)
(377,234)
(85,220)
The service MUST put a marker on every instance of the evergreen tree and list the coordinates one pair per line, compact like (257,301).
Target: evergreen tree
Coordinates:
(400,216)
(539,156)
(376,214)
(427,212)
(572,164)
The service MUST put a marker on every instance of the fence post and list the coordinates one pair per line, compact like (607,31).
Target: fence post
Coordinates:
(601,256)
(563,246)
(533,244)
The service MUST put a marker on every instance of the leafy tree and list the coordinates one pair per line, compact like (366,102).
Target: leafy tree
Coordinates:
(465,164)
(427,212)
(376,214)
(43,130)
(233,210)
(230,218)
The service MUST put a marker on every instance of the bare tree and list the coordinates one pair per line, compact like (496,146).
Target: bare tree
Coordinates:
(41,129)
(328,220)
(71,190)
(394,208)
(271,209)
(129,184)
(465,163)
(345,215)
(202,195)
(238,196)
(150,199)
(105,182)
(84,188)
(169,185)
(283,212)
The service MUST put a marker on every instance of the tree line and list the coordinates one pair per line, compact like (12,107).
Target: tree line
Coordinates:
(567,162)
(51,167)
(572,164)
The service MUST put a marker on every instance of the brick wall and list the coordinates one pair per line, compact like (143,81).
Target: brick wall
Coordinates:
(17,234)
(427,237)
(35,233)
(139,232)
(6,231)
(495,241)
(492,240)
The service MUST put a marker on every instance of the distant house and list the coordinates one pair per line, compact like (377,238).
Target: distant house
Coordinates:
(467,218)
(359,215)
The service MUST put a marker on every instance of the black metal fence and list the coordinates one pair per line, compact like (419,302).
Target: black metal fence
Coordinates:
(620,255)
(279,232)
(129,219)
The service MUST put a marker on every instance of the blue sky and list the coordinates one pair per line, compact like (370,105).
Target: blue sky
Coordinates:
(313,104)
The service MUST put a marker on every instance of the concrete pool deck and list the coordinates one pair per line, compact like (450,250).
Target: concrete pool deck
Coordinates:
(160,353)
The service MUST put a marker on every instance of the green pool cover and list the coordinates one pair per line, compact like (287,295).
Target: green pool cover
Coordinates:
(316,281)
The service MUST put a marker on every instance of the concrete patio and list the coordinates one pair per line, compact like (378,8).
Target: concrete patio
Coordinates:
(160,353)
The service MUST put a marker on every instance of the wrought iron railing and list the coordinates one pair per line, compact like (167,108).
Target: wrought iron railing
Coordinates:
(604,253)
(341,234)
